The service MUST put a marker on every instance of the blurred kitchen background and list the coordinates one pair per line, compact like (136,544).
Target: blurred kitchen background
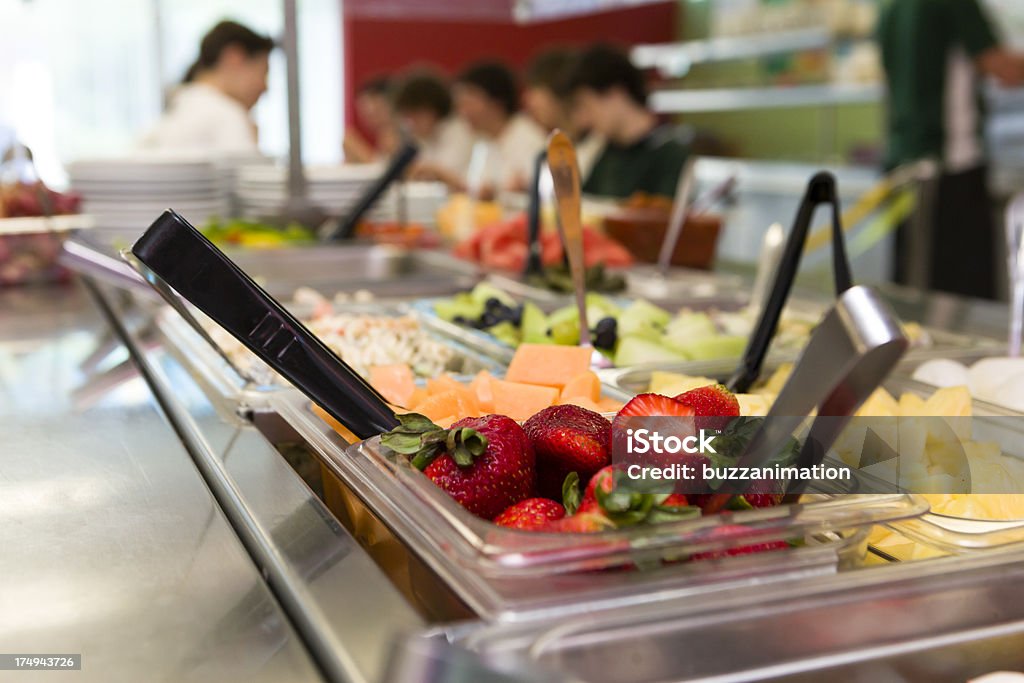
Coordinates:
(770,89)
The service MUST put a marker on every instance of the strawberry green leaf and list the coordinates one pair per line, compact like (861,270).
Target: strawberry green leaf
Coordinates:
(571,493)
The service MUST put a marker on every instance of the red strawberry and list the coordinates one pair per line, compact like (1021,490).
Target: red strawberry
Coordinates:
(763,494)
(531,514)
(580,523)
(604,479)
(675,500)
(734,530)
(654,405)
(484,463)
(714,406)
(650,406)
(566,439)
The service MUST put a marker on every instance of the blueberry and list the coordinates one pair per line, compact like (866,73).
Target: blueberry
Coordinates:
(605,340)
(606,325)
(493,304)
(489,319)
(460,320)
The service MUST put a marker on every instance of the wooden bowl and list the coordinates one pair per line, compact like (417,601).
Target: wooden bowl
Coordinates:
(642,231)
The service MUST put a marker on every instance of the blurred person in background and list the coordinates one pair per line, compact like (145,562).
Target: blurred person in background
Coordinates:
(210,110)
(375,115)
(423,107)
(487,97)
(547,100)
(934,53)
(640,155)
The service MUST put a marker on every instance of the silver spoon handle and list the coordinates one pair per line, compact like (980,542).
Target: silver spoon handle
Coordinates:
(1015,271)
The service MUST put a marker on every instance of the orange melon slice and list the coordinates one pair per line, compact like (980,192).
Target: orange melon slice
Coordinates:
(439,405)
(419,395)
(521,401)
(483,387)
(443,383)
(547,364)
(395,383)
(609,405)
(585,385)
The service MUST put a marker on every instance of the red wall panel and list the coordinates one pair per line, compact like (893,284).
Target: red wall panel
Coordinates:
(375,46)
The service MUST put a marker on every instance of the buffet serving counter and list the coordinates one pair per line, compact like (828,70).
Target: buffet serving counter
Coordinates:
(211,545)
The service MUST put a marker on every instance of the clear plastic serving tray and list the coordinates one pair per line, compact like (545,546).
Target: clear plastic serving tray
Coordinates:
(504,573)
(953,535)
(254,383)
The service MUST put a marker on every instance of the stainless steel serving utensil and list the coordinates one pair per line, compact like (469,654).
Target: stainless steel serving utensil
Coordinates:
(848,356)
(767,263)
(821,189)
(680,208)
(565,173)
(534,262)
(1015,271)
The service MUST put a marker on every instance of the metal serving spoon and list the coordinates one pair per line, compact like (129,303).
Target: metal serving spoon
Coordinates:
(565,173)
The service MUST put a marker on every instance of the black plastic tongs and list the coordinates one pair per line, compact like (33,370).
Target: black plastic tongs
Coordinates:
(405,155)
(198,271)
(820,190)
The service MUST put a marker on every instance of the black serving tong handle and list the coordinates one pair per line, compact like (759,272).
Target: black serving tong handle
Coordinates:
(820,190)
(199,272)
(396,167)
(534,263)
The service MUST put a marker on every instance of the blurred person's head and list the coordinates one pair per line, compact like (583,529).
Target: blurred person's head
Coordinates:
(373,103)
(235,59)
(544,95)
(421,101)
(486,96)
(609,93)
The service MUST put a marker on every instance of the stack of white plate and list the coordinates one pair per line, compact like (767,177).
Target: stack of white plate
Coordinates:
(127,194)
(422,200)
(263,190)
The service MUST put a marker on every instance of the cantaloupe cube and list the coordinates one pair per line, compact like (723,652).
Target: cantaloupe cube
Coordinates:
(419,395)
(483,387)
(446,421)
(585,385)
(395,383)
(609,405)
(521,401)
(547,364)
(443,383)
(439,405)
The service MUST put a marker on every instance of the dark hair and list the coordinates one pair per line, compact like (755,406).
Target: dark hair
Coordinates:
(550,69)
(380,85)
(222,36)
(603,67)
(497,82)
(423,90)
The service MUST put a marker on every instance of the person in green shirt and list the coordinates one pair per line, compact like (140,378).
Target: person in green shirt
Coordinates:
(640,155)
(935,53)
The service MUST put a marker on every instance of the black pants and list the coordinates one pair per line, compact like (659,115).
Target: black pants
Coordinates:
(962,254)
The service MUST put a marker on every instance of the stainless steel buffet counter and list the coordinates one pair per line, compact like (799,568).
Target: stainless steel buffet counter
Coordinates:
(148,522)
(113,546)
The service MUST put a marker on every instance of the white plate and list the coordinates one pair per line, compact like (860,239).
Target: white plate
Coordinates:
(314,174)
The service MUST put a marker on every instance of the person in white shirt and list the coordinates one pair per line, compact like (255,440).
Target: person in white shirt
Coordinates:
(487,97)
(209,112)
(423,107)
